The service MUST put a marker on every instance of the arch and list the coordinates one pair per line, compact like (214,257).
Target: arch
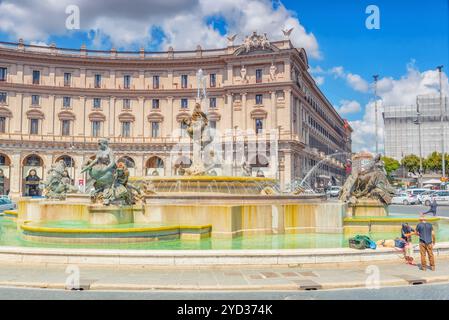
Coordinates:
(68,160)
(126,117)
(35,114)
(214,116)
(33,160)
(181,116)
(259,113)
(5,112)
(155,166)
(4,160)
(155,117)
(66,115)
(155,162)
(259,161)
(97,116)
(128,161)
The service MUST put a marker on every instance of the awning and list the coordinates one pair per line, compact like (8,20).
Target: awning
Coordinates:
(432,181)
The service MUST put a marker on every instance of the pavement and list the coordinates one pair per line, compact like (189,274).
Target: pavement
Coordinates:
(362,275)
(442,211)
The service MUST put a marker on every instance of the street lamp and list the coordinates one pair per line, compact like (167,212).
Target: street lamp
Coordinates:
(376,76)
(418,122)
(442,125)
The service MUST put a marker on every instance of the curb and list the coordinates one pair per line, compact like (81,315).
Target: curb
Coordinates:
(279,287)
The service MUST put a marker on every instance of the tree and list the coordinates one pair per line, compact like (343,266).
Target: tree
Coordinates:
(433,161)
(390,164)
(411,163)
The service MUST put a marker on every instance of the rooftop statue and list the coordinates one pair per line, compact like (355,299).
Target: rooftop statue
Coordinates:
(371,183)
(58,182)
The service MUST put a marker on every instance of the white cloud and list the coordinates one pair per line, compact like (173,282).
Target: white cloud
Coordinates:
(319,80)
(348,107)
(402,91)
(355,81)
(184,22)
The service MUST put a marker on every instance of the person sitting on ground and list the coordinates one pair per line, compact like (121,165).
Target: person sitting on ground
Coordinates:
(433,207)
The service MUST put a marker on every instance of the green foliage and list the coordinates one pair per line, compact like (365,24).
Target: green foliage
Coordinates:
(390,164)
(411,163)
(433,161)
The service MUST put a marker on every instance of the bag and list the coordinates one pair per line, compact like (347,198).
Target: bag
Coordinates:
(361,242)
(399,243)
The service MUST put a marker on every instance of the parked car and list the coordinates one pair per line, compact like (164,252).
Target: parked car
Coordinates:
(6,204)
(333,191)
(441,196)
(405,198)
(417,191)
(425,196)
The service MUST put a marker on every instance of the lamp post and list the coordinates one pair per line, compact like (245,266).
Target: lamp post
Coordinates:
(443,166)
(375,112)
(418,122)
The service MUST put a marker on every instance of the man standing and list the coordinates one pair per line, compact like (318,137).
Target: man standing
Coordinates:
(433,207)
(426,242)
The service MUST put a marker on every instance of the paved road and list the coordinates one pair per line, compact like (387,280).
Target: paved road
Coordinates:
(427,292)
(417,209)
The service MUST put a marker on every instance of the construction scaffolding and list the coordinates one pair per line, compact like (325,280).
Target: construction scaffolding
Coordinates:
(402,124)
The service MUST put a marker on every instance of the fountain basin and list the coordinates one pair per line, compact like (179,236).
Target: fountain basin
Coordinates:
(208,184)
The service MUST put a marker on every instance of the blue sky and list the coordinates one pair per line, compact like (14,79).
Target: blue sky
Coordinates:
(343,54)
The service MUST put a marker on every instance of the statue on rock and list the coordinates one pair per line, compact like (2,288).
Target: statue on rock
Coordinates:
(58,182)
(110,179)
(371,183)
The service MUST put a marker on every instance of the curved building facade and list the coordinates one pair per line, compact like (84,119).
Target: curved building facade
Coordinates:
(56,103)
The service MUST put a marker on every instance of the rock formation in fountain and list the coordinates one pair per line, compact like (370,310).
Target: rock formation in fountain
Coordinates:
(371,183)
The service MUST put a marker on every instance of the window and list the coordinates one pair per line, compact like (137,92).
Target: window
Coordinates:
(183,129)
(2,124)
(3,74)
(96,128)
(126,129)
(259,99)
(127,81)
(36,76)
(184,81)
(126,104)
(65,131)
(184,103)
(155,82)
(97,81)
(213,124)
(97,103)
(155,103)
(3,96)
(34,126)
(67,79)
(259,125)
(66,102)
(35,100)
(258,75)
(212,102)
(154,129)
(212,79)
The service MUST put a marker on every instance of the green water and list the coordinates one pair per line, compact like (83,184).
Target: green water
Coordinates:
(10,236)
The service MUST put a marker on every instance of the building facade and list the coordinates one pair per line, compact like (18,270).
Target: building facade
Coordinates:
(56,103)
(415,129)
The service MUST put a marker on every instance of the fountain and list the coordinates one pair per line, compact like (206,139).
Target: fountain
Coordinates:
(199,204)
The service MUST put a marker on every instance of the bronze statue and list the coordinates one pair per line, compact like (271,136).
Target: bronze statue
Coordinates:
(58,182)
(371,183)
